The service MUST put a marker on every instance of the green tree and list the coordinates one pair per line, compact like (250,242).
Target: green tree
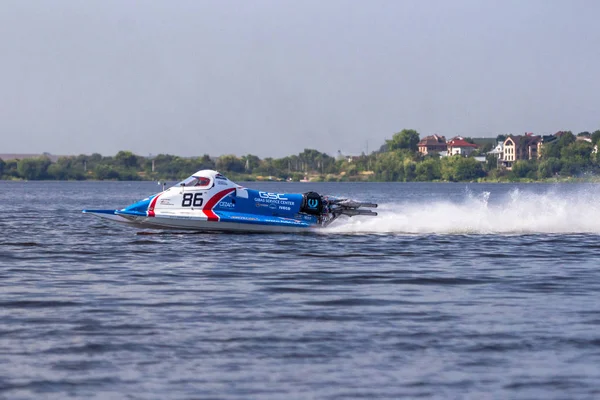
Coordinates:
(198,163)
(410,170)
(429,170)
(548,168)
(313,160)
(105,172)
(33,168)
(571,167)
(551,150)
(596,137)
(554,148)
(2,165)
(166,166)
(268,167)
(67,168)
(389,167)
(457,168)
(566,138)
(126,159)
(230,163)
(524,169)
(469,169)
(58,172)
(581,150)
(250,162)
(10,169)
(491,162)
(352,170)
(405,139)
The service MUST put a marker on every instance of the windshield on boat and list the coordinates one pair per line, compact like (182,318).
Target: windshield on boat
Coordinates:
(195,181)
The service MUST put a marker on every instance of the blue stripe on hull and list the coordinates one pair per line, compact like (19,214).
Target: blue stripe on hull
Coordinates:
(264,220)
(112,212)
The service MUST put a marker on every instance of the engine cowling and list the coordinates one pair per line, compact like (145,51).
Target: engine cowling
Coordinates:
(312,203)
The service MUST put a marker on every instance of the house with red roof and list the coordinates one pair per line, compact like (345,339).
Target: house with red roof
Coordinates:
(432,144)
(460,146)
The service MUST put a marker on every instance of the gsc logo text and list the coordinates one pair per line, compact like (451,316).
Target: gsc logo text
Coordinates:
(272,196)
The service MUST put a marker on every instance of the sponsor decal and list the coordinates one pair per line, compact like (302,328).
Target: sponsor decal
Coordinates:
(304,217)
(285,221)
(225,204)
(266,200)
(166,202)
(286,208)
(244,218)
(272,196)
(273,206)
(221,183)
(261,205)
(313,203)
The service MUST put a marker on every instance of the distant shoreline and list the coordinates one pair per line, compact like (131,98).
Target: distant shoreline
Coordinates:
(170,182)
(562,157)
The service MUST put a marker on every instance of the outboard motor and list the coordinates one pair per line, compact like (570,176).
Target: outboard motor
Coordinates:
(312,203)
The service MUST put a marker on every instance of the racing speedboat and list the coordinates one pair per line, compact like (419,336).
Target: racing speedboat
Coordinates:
(208,201)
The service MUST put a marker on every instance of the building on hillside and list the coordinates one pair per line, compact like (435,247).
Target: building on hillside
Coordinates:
(547,139)
(521,147)
(561,133)
(584,139)
(497,151)
(460,146)
(589,140)
(340,156)
(431,144)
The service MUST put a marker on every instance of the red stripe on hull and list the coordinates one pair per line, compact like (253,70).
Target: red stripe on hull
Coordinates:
(210,204)
(152,204)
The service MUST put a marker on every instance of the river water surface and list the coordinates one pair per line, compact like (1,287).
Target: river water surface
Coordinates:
(454,291)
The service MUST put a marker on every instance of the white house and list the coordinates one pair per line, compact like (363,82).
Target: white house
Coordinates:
(498,151)
(461,147)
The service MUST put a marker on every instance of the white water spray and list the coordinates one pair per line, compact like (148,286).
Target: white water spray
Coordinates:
(518,212)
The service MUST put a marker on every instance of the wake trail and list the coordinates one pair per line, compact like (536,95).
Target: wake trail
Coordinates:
(518,212)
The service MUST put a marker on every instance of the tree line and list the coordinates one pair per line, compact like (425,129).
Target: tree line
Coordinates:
(397,160)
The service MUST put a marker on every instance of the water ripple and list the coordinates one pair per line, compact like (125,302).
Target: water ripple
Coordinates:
(435,300)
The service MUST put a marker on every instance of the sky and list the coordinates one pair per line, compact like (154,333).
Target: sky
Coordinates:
(273,77)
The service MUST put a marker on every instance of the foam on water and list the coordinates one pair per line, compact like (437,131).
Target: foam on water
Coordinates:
(517,212)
